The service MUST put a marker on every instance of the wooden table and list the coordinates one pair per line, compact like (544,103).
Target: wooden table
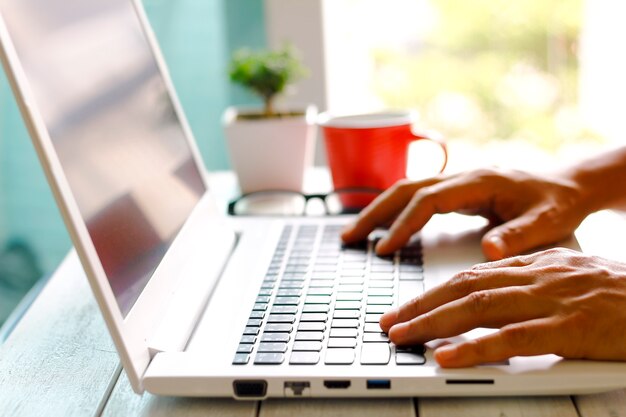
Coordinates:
(60,361)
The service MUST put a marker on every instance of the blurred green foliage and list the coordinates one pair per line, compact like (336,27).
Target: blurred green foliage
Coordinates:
(266,73)
(492,69)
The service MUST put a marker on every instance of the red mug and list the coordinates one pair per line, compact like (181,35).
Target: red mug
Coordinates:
(371,150)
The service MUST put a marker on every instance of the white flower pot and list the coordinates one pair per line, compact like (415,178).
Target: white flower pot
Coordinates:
(270,153)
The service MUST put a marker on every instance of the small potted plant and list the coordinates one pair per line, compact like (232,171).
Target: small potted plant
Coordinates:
(270,147)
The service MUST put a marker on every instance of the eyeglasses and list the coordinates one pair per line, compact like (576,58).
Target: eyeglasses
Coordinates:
(292,203)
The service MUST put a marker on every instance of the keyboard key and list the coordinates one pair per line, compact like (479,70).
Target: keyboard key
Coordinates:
(382,268)
(380,284)
(375,337)
(323,275)
(310,336)
(344,332)
(327,291)
(279,328)
(341,356)
(346,266)
(315,308)
(349,296)
(380,292)
(241,359)
(317,299)
(252,331)
(327,260)
(257,314)
(375,354)
(254,322)
(324,268)
(351,280)
(372,328)
(346,314)
(259,307)
(304,358)
(262,299)
(345,324)
(291,285)
(404,358)
(264,358)
(275,337)
(291,292)
(348,305)
(353,273)
(307,346)
(386,276)
(311,327)
(342,342)
(321,284)
(372,318)
(272,347)
(281,318)
(287,301)
(411,268)
(381,301)
(293,278)
(356,258)
(284,309)
(411,276)
(245,348)
(265,291)
(421,349)
(377,309)
(350,288)
(248,339)
(321,317)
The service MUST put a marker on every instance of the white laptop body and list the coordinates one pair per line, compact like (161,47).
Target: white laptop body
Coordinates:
(176,280)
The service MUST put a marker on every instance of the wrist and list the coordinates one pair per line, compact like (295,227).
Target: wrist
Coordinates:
(598,180)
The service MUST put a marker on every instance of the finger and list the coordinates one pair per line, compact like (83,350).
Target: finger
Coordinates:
(456,194)
(383,209)
(532,230)
(512,262)
(459,286)
(534,337)
(491,308)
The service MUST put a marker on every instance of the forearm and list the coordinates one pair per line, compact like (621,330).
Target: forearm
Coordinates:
(601,180)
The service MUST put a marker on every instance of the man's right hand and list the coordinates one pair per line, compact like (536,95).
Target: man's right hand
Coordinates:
(530,211)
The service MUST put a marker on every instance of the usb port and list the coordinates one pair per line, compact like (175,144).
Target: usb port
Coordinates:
(378,384)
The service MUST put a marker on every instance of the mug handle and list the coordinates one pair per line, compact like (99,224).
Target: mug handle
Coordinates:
(434,137)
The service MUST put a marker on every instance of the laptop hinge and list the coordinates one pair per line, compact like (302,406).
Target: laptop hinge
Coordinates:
(190,300)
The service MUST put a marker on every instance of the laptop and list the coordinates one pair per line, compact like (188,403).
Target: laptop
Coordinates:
(199,304)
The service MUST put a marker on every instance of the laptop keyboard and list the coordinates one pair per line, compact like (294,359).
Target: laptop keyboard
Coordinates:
(320,302)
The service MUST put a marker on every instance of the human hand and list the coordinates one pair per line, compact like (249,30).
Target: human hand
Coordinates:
(558,301)
(531,211)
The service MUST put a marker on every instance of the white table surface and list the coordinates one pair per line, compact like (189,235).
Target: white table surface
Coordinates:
(60,361)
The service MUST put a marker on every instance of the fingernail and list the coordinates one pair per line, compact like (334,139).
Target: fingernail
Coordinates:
(389,318)
(498,244)
(447,353)
(348,230)
(399,331)
(381,245)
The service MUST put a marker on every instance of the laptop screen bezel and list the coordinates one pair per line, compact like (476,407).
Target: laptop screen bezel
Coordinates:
(131,335)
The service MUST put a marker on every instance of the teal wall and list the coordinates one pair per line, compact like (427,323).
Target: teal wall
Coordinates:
(196,37)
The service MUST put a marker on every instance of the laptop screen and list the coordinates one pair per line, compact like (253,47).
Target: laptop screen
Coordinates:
(111,119)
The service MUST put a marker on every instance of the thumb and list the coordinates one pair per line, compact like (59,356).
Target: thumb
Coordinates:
(517,236)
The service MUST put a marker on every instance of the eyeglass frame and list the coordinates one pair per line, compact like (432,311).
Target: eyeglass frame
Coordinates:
(307,198)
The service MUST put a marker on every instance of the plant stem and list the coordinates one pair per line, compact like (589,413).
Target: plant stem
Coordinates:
(269,106)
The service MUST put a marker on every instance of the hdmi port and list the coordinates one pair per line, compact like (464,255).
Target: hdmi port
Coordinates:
(337,384)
